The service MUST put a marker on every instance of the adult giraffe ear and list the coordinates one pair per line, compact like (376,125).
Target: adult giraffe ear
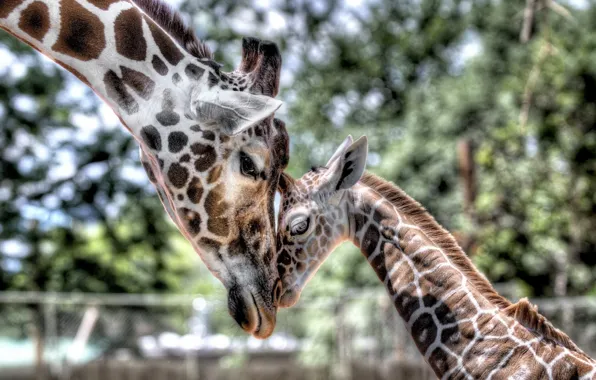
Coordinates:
(346,166)
(235,111)
(232,111)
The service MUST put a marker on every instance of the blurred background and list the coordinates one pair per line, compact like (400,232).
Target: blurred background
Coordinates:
(482,110)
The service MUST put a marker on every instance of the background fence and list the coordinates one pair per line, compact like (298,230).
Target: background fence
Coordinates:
(358,335)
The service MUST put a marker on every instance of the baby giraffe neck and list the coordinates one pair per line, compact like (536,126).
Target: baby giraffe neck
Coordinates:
(429,293)
(454,315)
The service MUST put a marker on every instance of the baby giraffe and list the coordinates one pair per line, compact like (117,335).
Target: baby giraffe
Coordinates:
(461,325)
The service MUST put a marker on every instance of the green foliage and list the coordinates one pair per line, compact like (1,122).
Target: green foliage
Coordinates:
(537,180)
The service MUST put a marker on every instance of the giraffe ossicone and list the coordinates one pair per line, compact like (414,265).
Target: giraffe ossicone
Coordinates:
(208,139)
(460,324)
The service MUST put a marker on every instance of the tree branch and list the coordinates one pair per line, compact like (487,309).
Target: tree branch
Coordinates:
(526,31)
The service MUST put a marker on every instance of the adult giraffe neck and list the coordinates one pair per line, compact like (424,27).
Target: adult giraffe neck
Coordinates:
(461,330)
(111,45)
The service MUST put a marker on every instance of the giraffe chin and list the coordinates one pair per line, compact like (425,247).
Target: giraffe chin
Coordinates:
(289,298)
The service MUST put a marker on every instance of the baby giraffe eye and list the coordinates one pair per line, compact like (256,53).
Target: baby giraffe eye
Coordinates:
(247,166)
(299,226)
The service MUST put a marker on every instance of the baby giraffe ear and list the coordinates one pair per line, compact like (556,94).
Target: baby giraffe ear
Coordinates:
(341,150)
(231,111)
(285,183)
(347,165)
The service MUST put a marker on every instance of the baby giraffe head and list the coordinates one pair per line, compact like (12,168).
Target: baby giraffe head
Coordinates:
(313,217)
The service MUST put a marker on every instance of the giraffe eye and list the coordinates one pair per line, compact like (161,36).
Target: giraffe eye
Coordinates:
(299,226)
(247,166)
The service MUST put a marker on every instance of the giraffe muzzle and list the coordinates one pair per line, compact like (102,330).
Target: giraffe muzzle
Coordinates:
(254,316)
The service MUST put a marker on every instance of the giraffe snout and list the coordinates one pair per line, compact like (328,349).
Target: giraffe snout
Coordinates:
(249,310)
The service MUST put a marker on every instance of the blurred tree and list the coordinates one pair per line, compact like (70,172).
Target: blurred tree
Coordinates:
(537,202)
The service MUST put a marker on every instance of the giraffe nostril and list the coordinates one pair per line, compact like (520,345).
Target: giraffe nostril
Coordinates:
(277,292)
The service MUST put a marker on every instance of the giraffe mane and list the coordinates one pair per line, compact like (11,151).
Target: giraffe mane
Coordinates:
(529,317)
(437,234)
(171,21)
(522,311)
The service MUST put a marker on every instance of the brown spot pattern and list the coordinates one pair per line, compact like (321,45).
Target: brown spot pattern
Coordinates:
(149,172)
(370,240)
(424,332)
(214,174)
(492,354)
(191,220)
(103,4)
(166,45)
(35,20)
(151,137)
(195,190)
(129,35)
(215,245)
(194,72)
(440,361)
(116,90)
(206,156)
(82,33)
(208,135)
(216,208)
(167,117)
(177,141)
(178,175)
(7,6)
(407,302)
(139,82)
(360,221)
(378,264)
(159,65)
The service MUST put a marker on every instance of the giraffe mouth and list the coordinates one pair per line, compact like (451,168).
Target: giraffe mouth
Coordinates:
(259,321)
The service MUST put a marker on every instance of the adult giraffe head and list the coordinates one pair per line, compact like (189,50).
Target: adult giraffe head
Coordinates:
(208,139)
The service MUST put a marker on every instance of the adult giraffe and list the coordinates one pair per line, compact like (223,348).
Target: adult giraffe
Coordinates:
(208,139)
(461,325)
